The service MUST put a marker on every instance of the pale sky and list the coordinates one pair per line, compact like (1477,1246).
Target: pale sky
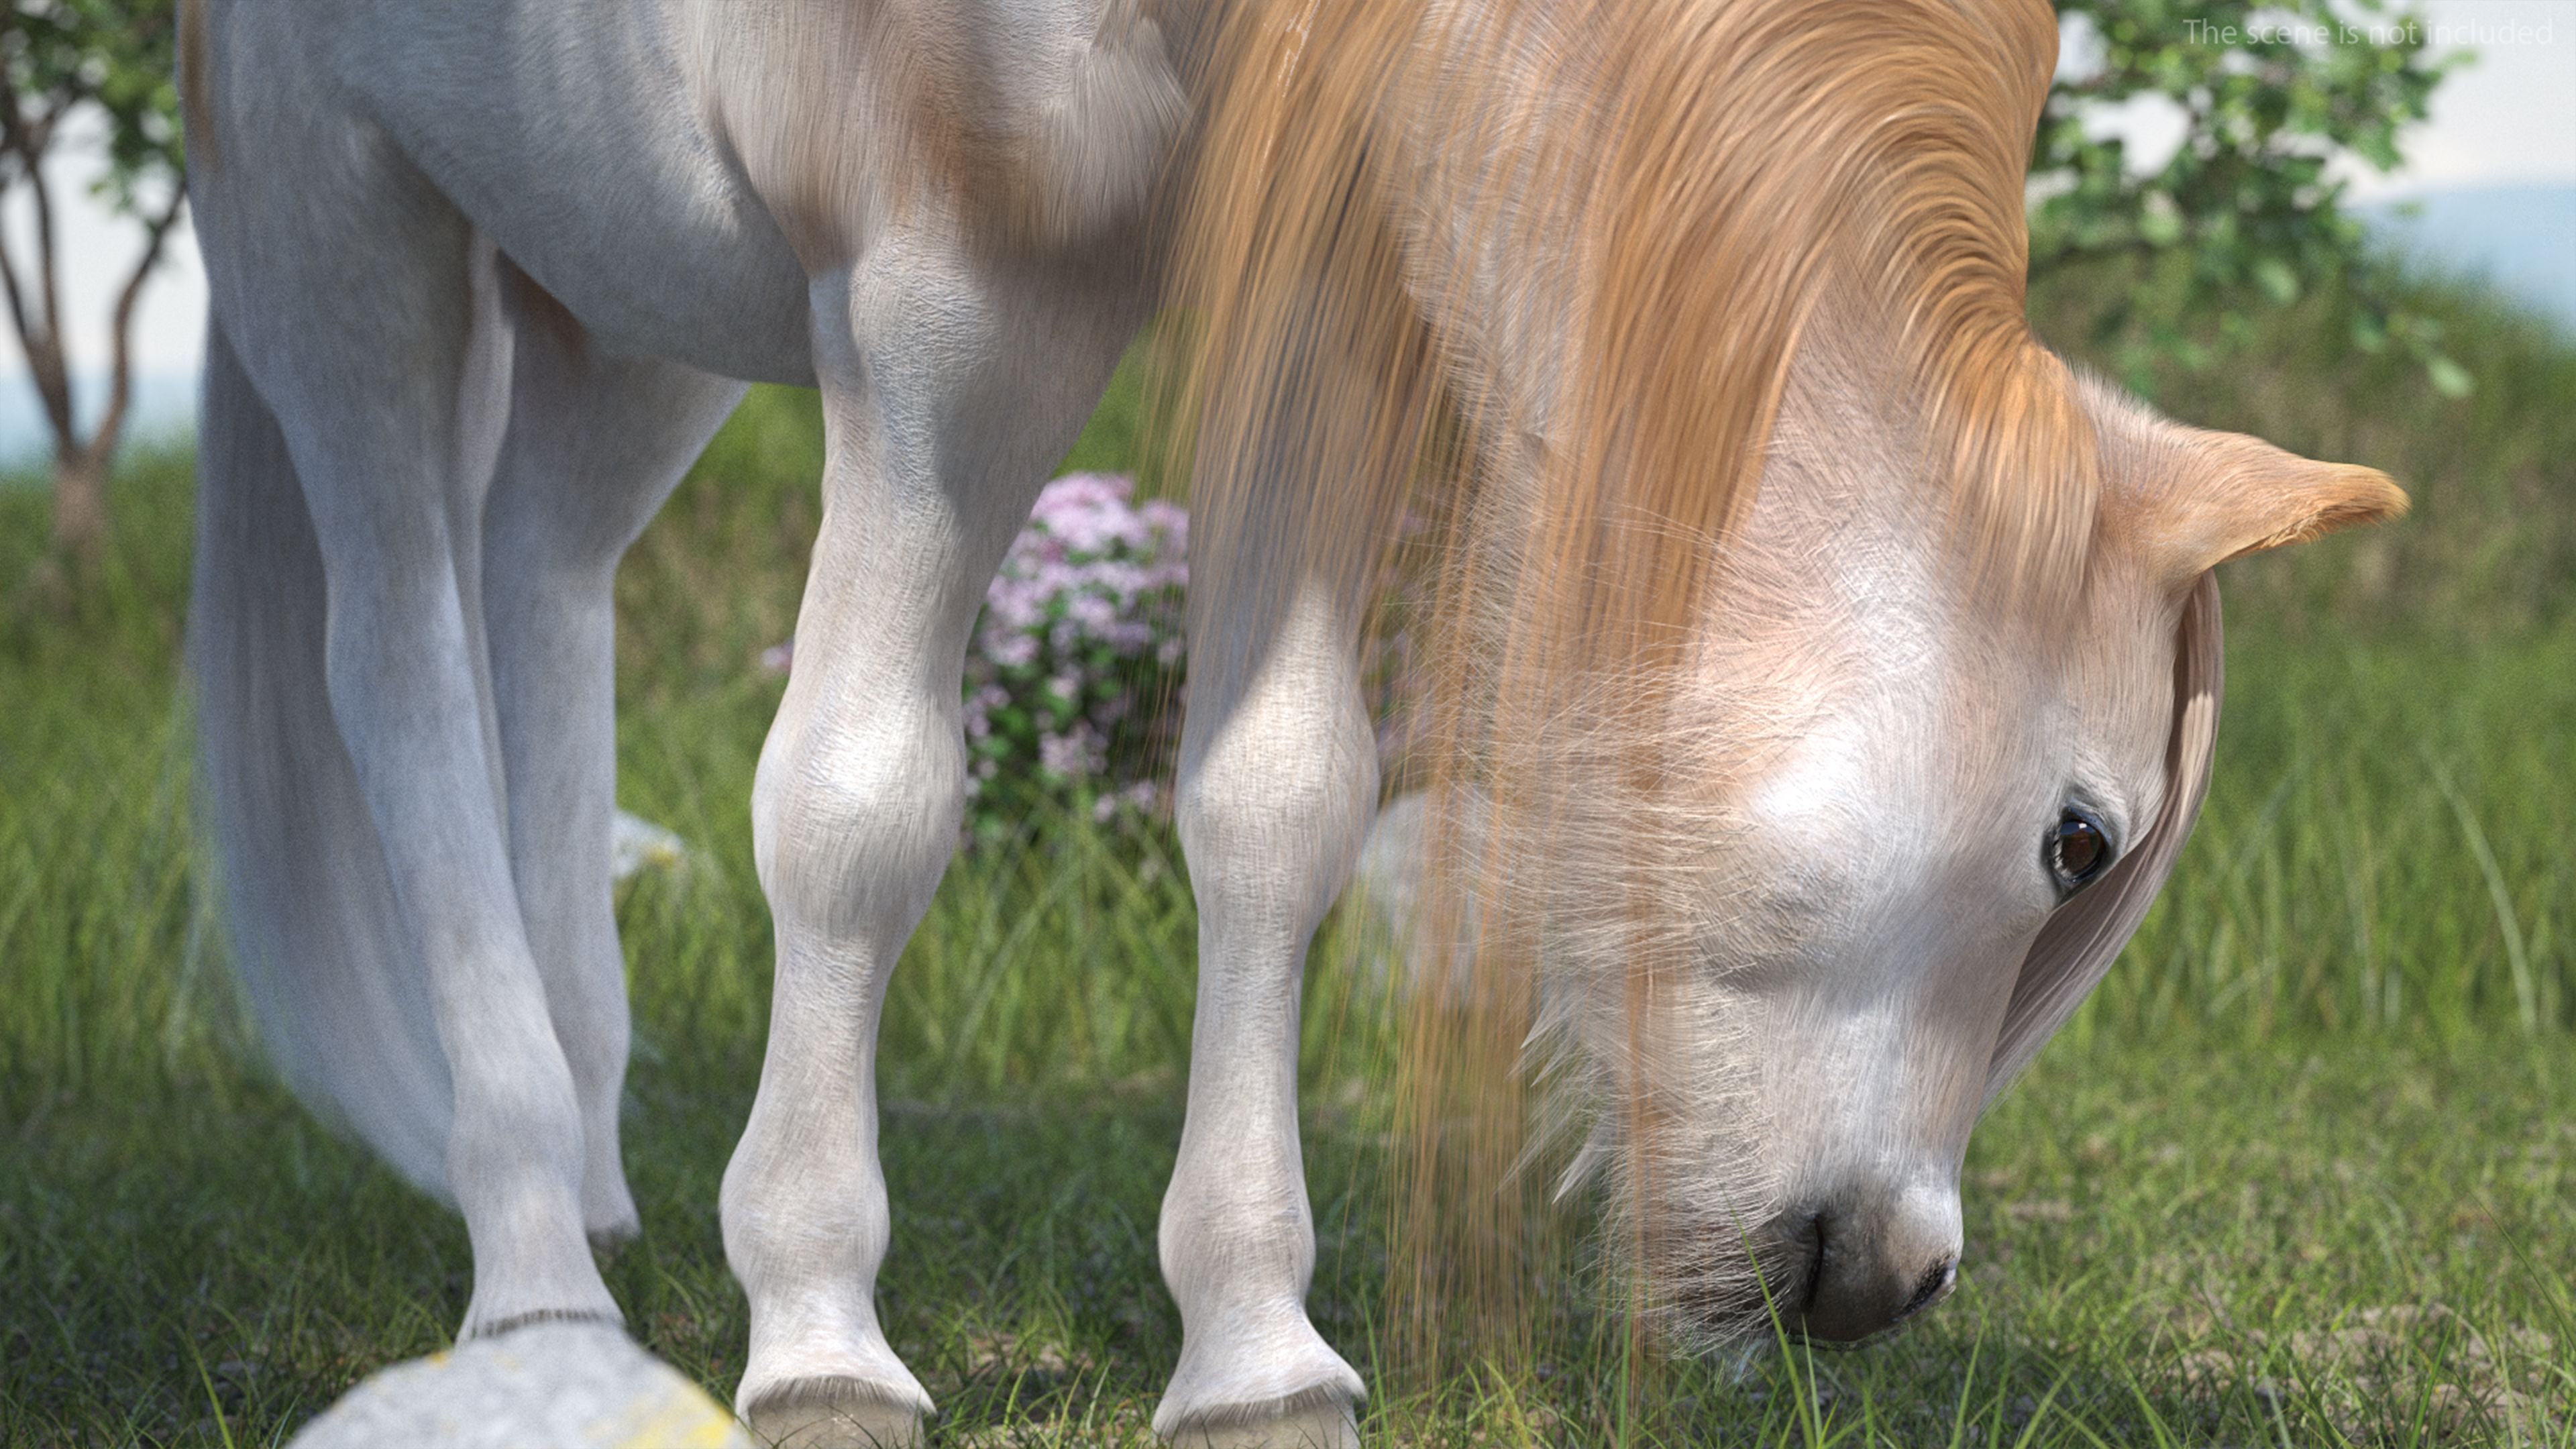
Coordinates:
(2508,117)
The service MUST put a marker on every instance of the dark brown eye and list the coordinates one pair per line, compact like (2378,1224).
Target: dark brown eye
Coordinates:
(2078,851)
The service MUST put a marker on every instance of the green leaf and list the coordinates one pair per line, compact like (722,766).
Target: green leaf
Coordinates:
(2243,217)
(2277,280)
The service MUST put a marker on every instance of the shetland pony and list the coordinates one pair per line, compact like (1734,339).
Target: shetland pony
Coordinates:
(1839,669)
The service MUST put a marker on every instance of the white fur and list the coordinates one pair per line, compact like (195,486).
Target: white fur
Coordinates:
(486,275)
(474,272)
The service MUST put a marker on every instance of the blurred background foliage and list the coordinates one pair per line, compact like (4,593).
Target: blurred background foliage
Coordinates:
(2246,210)
(2490,546)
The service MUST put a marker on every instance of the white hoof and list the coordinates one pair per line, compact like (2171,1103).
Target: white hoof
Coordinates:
(546,1386)
(832,1413)
(1288,1390)
(1322,1425)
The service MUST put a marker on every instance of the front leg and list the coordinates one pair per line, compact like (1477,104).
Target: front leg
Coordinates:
(947,392)
(1277,789)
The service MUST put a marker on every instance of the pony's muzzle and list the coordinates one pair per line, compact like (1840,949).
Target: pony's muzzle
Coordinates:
(1854,1269)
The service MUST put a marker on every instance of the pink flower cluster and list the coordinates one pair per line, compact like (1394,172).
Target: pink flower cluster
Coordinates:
(1075,657)
(1079,643)
(1089,568)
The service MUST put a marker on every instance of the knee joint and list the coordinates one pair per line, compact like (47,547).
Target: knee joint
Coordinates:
(850,827)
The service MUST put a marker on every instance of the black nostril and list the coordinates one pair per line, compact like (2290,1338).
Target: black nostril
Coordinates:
(1936,1281)
(1812,1239)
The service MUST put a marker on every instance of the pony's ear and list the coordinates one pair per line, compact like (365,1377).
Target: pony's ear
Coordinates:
(2218,496)
(2081,940)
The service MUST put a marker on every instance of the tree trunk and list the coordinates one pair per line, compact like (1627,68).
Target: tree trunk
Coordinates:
(80,498)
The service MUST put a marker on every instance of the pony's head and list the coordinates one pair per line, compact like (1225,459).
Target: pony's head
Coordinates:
(1836,670)
(1903,815)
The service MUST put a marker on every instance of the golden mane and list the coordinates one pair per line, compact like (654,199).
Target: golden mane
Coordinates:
(1715,167)
(1690,184)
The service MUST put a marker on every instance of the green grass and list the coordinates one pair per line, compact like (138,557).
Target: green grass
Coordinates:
(2352,1241)
(2385,852)
(2303,1171)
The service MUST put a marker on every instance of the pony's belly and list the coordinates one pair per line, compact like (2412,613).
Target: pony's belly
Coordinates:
(707,296)
(569,135)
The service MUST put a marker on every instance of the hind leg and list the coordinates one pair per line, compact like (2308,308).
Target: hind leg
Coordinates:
(345,284)
(947,393)
(317,942)
(595,443)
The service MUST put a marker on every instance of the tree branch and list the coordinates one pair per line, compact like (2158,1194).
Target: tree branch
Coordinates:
(45,360)
(121,339)
(17,301)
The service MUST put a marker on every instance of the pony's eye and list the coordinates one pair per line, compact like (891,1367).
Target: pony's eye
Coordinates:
(2078,851)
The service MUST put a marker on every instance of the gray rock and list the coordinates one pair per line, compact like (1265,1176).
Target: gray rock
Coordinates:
(546,1386)
(1389,895)
(635,843)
